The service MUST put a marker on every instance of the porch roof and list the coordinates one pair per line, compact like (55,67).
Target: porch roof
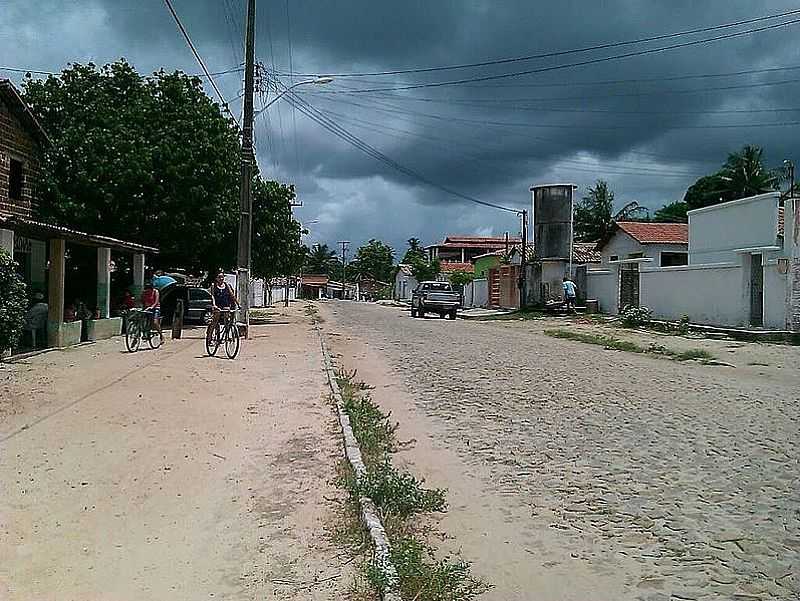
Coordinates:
(31,227)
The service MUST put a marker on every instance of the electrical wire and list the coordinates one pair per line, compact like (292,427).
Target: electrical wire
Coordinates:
(582,63)
(554,54)
(315,115)
(200,61)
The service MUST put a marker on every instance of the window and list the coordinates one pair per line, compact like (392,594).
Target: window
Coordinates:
(198,294)
(15,180)
(614,258)
(638,255)
(672,259)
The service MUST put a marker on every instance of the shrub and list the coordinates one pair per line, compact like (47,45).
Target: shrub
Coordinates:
(12,303)
(683,325)
(633,317)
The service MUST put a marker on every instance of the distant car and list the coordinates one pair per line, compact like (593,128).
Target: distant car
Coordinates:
(435,297)
(197,307)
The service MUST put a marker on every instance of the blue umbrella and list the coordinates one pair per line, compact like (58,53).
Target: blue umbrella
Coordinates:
(162,281)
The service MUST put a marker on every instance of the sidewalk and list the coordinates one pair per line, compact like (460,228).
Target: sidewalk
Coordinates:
(171,475)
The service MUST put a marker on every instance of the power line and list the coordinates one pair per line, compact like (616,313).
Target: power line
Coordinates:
(572,84)
(580,63)
(342,133)
(620,168)
(200,60)
(557,53)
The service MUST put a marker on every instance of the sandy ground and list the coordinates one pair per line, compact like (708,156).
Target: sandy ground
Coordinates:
(170,475)
(577,473)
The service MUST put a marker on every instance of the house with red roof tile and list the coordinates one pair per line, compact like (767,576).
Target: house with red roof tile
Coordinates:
(665,244)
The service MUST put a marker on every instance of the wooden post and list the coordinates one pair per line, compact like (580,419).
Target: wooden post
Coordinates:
(177,320)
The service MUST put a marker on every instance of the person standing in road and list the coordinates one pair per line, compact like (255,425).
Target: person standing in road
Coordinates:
(570,293)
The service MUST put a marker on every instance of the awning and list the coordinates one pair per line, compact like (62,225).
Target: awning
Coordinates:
(39,229)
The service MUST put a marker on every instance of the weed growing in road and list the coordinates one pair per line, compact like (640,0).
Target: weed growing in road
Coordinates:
(692,355)
(312,312)
(630,347)
(525,314)
(399,496)
(422,576)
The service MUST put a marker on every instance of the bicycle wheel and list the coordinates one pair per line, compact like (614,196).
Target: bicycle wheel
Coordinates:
(133,335)
(212,343)
(232,339)
(154,339)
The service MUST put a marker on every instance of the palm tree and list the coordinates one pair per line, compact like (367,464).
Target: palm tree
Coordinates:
(744,174)
(594,216)
(321,260)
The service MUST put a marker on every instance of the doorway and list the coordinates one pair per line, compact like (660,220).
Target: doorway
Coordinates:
(756,291)
(629,285)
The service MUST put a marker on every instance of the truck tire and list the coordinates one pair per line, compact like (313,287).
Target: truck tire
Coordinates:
(413,311)
(421,312)
(454,314)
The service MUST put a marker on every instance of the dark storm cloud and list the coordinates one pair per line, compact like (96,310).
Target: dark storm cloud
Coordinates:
(491,140)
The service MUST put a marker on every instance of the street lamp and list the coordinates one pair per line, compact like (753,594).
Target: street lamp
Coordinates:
(318,81)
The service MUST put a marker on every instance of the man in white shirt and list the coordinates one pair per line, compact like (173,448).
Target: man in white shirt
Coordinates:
(36,320)
(570,293)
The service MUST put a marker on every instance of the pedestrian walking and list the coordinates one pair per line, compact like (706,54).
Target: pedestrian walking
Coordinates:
(570,293)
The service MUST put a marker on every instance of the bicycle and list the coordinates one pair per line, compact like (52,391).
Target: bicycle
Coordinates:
(140,326)
(226,332)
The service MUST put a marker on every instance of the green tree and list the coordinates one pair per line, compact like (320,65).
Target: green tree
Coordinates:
(322,260)
(595,217)
(415,251)
(149,159)
(12,303)
(277,249)
(742,175)
(424,270)
(675,212)
(374,260)
(459,279)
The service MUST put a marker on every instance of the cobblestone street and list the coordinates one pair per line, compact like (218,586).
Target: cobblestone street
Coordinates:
(679,480)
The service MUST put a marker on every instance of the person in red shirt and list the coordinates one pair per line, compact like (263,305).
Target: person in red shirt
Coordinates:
(151,301)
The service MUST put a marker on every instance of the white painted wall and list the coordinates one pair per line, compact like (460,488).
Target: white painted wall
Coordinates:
(602,285)
(404,285)
(775,309)
(714,232)
(476,293)
(709,294)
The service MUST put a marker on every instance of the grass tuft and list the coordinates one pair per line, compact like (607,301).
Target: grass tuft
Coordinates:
(399,496)
(628,346)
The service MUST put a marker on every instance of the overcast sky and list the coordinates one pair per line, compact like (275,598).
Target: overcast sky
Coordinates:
(644,123)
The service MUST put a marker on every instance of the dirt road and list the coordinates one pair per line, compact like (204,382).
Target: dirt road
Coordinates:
(579,473)
(170,475)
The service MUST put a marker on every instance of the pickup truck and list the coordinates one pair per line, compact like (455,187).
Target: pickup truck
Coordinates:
(435,297)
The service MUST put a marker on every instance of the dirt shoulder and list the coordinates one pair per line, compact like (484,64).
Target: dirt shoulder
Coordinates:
(171,475)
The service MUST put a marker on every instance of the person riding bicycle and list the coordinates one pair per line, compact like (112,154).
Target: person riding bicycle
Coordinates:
(151,301)
(222,297)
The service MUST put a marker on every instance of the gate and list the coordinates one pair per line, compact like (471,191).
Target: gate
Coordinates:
(629,285)
(756,291)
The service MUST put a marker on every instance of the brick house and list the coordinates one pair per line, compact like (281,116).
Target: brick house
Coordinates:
(40,248)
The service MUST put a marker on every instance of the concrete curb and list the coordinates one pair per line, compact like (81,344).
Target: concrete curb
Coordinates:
(369,513)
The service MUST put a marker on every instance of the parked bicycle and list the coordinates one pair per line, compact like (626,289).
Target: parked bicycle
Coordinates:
(140,327)
(226,333)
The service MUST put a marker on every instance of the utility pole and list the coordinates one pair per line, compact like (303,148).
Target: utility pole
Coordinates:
(523,286)
(344,244)
(245,191)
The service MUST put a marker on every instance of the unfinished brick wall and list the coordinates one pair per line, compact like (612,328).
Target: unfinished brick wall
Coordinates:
(16,142)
